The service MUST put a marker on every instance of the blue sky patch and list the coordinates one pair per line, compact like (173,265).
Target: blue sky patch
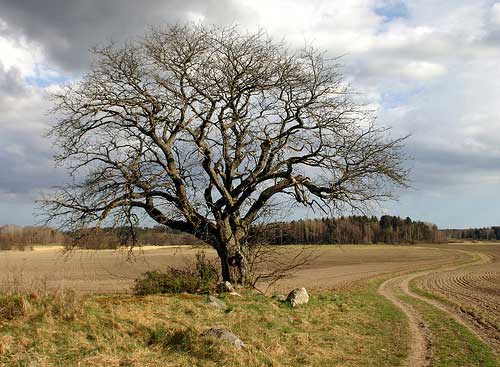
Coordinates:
(391,10)
(396,99)
(45,77)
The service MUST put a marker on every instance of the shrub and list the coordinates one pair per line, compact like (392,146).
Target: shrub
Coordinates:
(199,276)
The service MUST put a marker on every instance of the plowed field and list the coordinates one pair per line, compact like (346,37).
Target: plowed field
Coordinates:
(107,271)
(474,290)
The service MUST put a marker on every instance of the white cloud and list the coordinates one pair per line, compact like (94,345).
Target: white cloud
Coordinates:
(432,72)
(495,14)
(21,55)
(331,24)
(422,70)
(195,17)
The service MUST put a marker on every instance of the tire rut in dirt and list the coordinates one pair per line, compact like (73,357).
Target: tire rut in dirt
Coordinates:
(421,337)
(420,353)
(475,291)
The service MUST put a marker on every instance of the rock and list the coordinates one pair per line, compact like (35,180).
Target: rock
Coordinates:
(298,297)
(279,297)
(225,335)
(224,287)
(217,303)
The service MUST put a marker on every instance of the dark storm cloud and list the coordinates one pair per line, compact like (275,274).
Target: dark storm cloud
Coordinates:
(26,166)
(67,29)
(25,155)
(11,83)
(437,63)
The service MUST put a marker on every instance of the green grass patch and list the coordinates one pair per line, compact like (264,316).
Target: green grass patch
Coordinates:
(422,292)
(452,343)
(348,328)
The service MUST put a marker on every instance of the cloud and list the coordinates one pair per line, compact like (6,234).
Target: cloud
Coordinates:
(17,53)
(67,29)
(495,14)
(25,155)
(11,84)
(428,69)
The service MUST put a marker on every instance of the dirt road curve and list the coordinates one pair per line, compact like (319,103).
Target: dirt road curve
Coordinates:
(421,337)
(475,291)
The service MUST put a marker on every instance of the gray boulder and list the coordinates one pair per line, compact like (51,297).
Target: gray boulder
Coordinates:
(298,297)
(217,303)
(226,336)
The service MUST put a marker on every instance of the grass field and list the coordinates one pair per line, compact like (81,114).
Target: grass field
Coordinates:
(345,328)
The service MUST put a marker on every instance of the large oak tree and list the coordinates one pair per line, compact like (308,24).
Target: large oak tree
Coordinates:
(201,128)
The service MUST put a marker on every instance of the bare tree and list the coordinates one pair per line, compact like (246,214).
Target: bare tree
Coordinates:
(201,127)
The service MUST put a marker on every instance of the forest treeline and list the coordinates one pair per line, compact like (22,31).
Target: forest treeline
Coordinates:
(474,234)
(22,238)
(351,229)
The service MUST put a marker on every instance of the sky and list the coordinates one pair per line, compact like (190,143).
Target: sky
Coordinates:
(429,69)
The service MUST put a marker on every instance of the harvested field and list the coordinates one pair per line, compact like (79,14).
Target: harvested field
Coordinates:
(108,271)
(475,291)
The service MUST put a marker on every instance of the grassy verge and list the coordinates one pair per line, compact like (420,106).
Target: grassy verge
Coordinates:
(480,314)
(452,343)
(350,328)
(421,292)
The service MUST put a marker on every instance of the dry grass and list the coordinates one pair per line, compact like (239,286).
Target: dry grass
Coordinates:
(342,329)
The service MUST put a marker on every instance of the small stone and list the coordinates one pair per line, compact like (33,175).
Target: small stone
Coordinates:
(298,297)
(225,335)
(217,303)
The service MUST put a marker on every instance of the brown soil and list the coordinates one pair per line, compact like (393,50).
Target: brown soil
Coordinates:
(340,266)
(107,271)
(474,291)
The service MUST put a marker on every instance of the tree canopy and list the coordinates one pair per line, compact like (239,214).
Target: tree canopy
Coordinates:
(202,128)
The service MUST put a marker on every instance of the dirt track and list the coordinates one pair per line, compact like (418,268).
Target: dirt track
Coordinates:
(474,291)
(474,288)
(421,338)
(467,283)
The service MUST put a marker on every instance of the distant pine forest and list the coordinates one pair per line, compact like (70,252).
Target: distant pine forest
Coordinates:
(344,230)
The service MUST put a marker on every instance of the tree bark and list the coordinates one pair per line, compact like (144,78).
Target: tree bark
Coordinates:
(224,263)
(230,249)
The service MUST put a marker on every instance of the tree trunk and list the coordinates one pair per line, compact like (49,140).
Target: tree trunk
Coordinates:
(230,249)
(224,264)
